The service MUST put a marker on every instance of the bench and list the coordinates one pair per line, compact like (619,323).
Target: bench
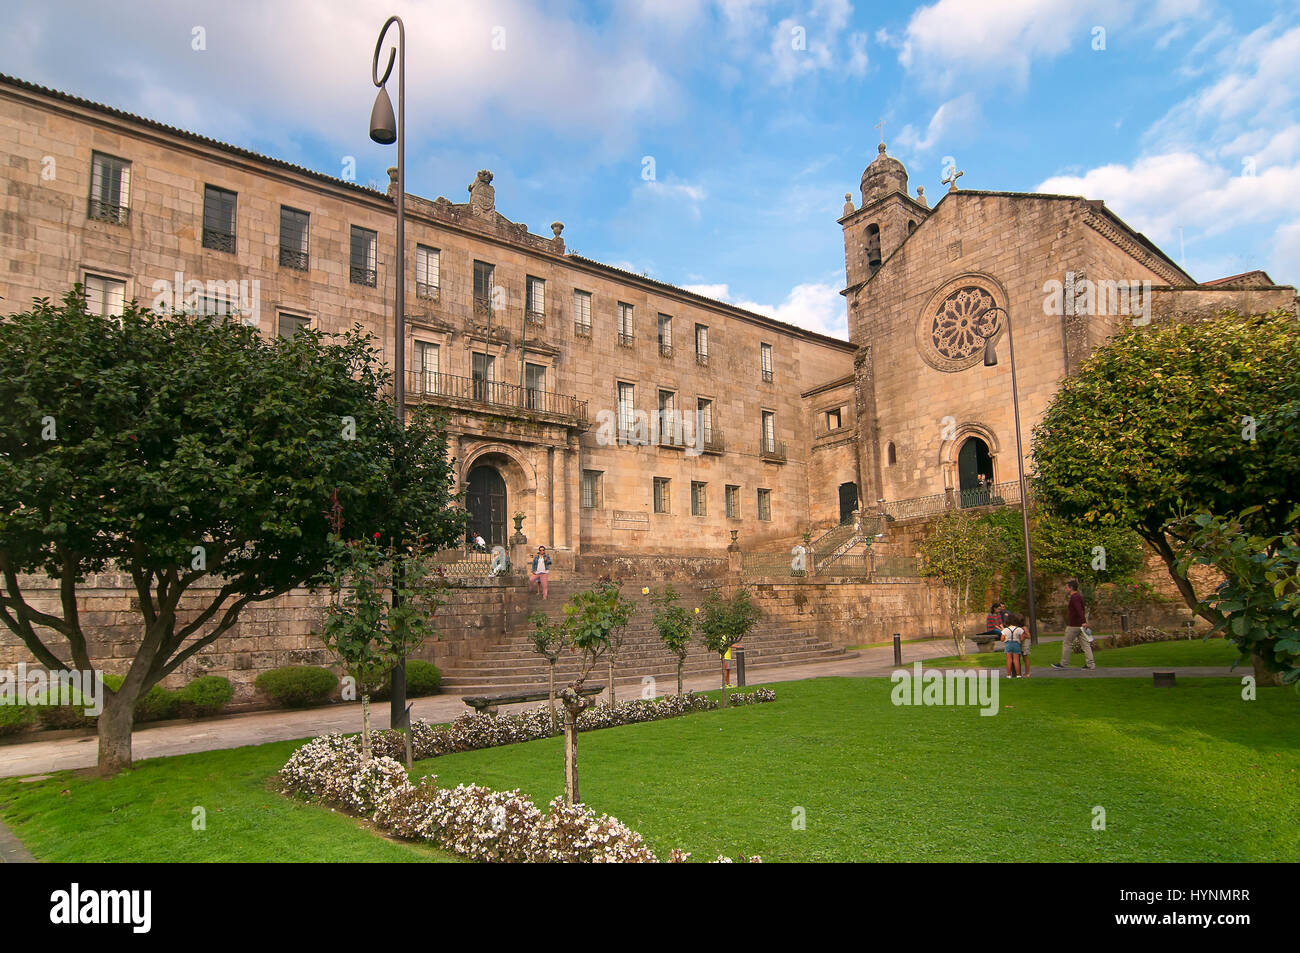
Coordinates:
(986,639)
(488,703)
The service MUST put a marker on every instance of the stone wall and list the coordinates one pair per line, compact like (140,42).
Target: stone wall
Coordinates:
(855,613)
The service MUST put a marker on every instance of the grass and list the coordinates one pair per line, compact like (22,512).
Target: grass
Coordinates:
(147,813)
(1197,652)
(1192,773)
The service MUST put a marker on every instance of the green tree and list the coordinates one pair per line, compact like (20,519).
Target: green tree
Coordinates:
(725,621)
(195,457)
(548,641)
(675,626)
(1258,603)
(1166,420)
(961,552)
(590,617)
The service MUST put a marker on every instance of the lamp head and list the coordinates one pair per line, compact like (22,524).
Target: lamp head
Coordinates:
(990,353)
(383,124)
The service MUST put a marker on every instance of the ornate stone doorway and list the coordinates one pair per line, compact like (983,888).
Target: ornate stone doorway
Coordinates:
(485,499)
(973,462)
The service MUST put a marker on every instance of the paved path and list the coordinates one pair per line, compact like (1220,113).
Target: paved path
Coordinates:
(234,731)
(11,849)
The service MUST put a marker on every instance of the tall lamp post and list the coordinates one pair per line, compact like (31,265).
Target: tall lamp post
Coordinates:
(990,320)
(385,128)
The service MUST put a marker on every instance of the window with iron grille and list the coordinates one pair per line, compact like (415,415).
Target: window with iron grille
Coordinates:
(701,344)
(483,275)
(699,501)
(665,335)
(765,504)
(765,359)
(363,268)
(582,313)
(769,431)
(110,188)
(625,326)
(626,409)
(733,502)
(104,296)
(704,419)
(535,299)
(427,272)
(293,238)
(218,219)
(291,324)
(662,495)
(593,489)
(427,359)
(669,431)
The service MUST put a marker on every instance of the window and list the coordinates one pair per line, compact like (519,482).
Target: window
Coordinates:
(765,504)
(704,419)
(427,367)
(873,247)
(593,489)
(582,313)
(701,345)
(662,486)
(665,335)
(483,369)
(293,238)
(291,324)
(733,502)
(110,188)
(218,219)
(364,270)
(534,385)
(104,296)
(669,430)
(891,454)
(428,267)
(483,275)
(625,326)
(535,299)
(626,410)
(769,432)
(834,419)
(765,361)
(699,500)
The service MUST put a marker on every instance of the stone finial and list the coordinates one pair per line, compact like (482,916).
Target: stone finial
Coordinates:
(482,197)
(557,227)
(881,148)
(920,196)
(557,241)
(848,203)
(392,181)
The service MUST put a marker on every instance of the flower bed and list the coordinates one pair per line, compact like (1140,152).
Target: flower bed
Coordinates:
(473,731)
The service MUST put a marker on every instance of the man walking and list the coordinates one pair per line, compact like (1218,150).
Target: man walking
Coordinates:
(1076,619)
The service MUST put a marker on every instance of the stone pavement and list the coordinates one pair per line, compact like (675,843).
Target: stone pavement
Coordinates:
(234,731)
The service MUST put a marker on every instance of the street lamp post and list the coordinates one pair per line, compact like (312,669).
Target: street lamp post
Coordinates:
(990,319)
(385,128)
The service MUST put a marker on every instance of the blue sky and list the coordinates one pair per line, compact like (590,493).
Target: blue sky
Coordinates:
(758,116)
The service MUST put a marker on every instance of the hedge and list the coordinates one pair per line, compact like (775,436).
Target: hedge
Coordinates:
(298,686)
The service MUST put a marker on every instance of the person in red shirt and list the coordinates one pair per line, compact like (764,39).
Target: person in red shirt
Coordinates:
(1076,620)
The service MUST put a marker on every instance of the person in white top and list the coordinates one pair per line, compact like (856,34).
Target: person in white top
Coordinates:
(1013,637)
(539,570)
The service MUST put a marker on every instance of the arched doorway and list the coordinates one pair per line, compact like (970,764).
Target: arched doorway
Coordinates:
(973,462)
(485,498)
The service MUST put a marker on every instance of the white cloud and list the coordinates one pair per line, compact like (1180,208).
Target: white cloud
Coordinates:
(815,306)
(954,114)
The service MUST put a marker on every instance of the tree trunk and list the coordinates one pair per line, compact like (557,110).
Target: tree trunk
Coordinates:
(1184,585)
(114,728)
(613,700)
(365,726)
(1263,676)
(571,795)
(726,689)
(550,693)
(680,662)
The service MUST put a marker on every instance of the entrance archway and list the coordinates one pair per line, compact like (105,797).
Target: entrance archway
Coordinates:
(973,462)
(848,502)
(485,499)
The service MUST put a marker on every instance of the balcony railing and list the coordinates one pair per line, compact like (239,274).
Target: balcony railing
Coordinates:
(582,329)
(426,291)
(665,350)
(771,450)
(535,317)
(702,358)
(767,375)
(466,392)
(218,239)
(713,442)
(109,212)
(625,339)
(363,276)
(292,258)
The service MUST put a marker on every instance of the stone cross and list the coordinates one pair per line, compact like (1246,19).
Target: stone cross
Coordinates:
(951,178)
(881,126)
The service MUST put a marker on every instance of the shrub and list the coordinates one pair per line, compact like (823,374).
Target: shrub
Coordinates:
(422,678)
(157,704)
(207,695)
(330,768)
(16,718)
(65,716)
(298,686)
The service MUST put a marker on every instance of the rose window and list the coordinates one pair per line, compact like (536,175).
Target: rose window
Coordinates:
(962,322)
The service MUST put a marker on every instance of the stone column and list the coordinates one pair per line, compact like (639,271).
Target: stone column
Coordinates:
(550,497)
(574,511)
(563,494)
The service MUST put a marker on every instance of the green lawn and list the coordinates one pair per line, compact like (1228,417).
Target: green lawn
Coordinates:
(1182,652)
(1190,773)
(146,814)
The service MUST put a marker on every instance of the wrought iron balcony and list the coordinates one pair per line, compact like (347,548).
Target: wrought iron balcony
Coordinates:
(109,212)
(702,358)
(218,239)
(426,291)
(625,339)
(713,441)
(772,451)
(359,275)
(292,258)
(496,397)
(767,375)
(665,350)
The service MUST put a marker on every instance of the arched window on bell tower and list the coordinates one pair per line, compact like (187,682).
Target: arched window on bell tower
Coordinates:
(873,247)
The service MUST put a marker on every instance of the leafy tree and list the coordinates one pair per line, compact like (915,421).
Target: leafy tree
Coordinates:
(962,551)
(195,457)
(548,642)
(1179,418)
(589,618)
(727,620)
(675,626)
(1258,603)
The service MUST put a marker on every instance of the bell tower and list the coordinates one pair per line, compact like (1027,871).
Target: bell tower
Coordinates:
(886,217)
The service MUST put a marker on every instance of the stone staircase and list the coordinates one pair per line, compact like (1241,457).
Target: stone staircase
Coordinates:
(509,663)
